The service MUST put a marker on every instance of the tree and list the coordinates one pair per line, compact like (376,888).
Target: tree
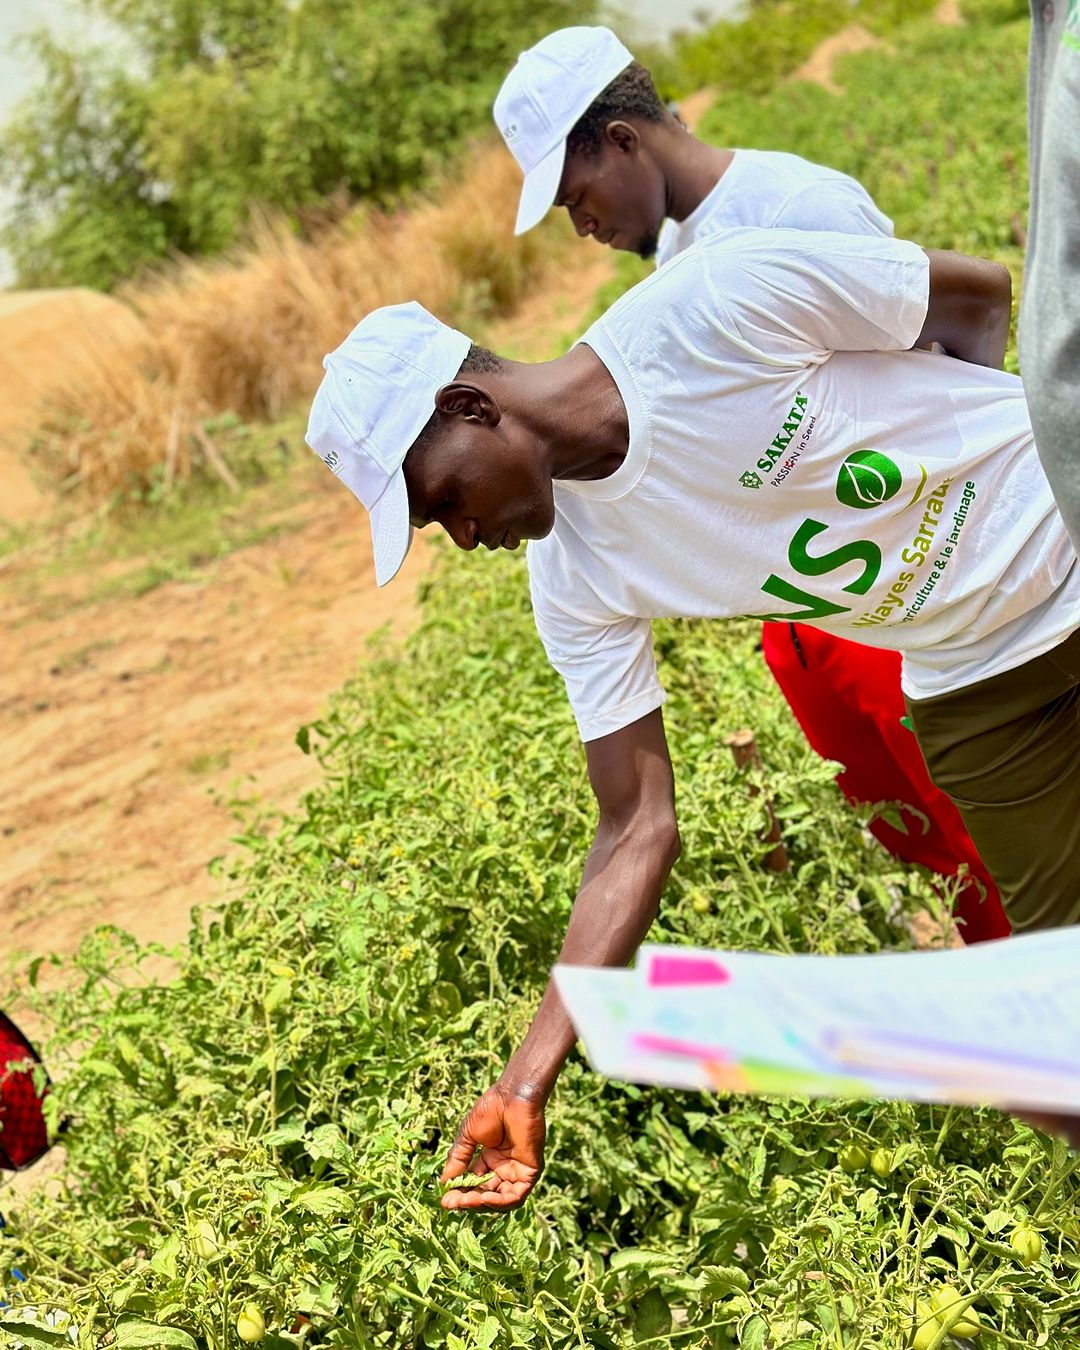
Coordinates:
(222,103)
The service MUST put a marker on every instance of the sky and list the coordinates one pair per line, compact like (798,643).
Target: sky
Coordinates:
(651,19)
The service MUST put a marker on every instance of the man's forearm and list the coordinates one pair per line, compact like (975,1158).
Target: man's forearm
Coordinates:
(983,340)
(618,900)
(969,308)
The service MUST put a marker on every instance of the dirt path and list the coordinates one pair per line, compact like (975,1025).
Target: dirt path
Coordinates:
(129,723)
(819,66)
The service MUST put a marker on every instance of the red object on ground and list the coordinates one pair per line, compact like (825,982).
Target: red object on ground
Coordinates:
(847,699)
(23,1138)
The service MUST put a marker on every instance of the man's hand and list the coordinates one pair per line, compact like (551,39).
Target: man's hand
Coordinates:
(509,1132)
(636,844)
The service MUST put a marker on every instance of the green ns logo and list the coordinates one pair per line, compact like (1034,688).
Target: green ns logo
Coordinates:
(750,479)
(868,478)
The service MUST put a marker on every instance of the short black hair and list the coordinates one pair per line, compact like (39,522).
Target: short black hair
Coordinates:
(478,361)
(630,94)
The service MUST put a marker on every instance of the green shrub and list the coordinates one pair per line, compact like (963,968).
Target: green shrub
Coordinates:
(770,38)
(295,1086)
(936,132)
(219,104)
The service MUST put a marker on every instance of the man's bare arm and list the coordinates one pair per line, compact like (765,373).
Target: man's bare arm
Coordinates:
(635,847)
(969,308)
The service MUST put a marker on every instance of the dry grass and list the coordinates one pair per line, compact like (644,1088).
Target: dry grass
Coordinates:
(247,334)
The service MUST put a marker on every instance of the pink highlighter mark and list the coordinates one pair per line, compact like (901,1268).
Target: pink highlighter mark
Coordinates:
(670,1045)
(665,970)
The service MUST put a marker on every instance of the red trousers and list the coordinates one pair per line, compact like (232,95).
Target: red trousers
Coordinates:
(847,700)
(22,1122)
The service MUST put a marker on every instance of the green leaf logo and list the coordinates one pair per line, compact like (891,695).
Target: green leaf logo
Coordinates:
(867,478)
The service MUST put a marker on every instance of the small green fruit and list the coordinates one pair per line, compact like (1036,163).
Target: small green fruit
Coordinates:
(206,1244)
(881,1162)
(1026,1243)
(963,1323)
(853,1158)
(926,1327)
(250,1325)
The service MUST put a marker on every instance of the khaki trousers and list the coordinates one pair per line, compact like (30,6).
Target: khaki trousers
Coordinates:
(1007,751)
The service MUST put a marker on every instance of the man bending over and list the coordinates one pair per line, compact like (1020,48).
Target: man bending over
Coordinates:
(917,517)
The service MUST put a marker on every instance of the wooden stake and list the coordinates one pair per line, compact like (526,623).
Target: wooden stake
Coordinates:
(213,458)
(744,750)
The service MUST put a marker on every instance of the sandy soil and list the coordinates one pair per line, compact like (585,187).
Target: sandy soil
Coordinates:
(130,722)
(949,13)
(819,67)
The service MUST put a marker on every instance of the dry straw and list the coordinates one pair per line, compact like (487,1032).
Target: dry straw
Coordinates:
(247,334)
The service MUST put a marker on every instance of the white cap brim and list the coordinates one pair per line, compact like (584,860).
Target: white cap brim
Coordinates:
(540,188)
(391,533)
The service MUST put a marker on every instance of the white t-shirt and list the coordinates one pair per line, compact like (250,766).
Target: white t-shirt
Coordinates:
(769,190)
(790,458)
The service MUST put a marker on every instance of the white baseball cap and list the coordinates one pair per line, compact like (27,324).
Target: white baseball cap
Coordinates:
(375,398)
(548,89)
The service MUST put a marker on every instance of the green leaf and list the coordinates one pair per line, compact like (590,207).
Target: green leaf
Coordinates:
(424,1275)
(467,1180)
(997,1219)
(163,1260)
(32,1334)
(326,1201)
(279,993)
(489,1331)
(470,1248)
(136,1333)
(641,1258)
(757,1169)
(522,1249)
(753,1333)
(326,1141)
(719,1281)
(291,1132)
(652,1316)
(353,941)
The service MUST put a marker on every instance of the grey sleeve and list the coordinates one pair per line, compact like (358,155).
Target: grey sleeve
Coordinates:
(1050,308)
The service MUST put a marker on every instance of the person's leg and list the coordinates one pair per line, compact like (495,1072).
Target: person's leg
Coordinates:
(847,699)
(1007,751)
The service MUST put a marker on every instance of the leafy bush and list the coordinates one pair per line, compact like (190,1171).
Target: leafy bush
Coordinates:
(770,38)
(222,103)
(295,1086)
(935,132)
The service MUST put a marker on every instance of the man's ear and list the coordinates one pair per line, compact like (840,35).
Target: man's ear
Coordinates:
(468,401)
(623,136)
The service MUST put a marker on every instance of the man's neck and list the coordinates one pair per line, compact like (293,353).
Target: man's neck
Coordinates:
(691,170)
(573,408)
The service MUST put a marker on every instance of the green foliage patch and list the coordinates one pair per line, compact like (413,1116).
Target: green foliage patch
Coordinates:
(296,1086)
(268,1126)
(216,104)
(935,131)
(768,39)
